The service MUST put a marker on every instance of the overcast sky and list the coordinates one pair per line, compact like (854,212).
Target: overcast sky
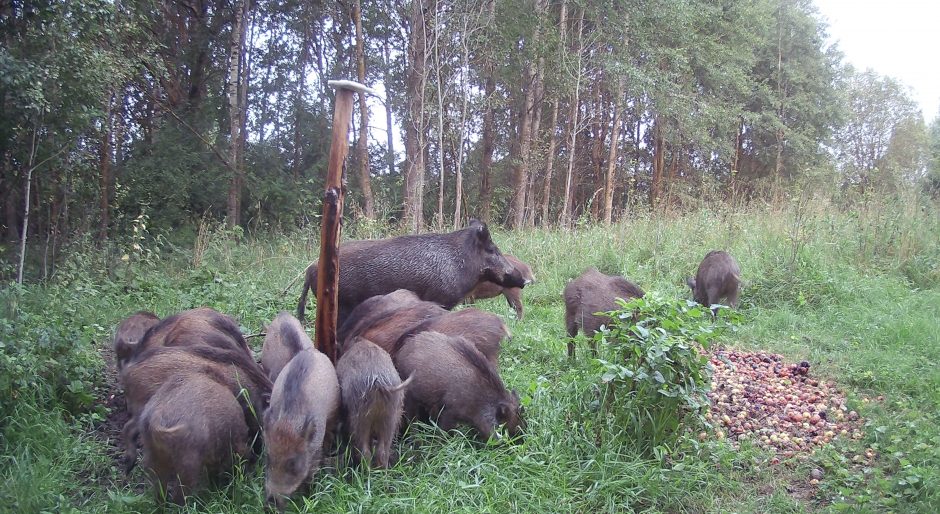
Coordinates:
(897,38)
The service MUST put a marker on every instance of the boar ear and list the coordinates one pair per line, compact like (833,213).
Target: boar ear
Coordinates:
(502,412)
(306,431)
(690,282)
(125,349)
(483,232)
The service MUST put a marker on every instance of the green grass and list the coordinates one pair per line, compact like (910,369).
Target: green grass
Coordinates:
(854,291)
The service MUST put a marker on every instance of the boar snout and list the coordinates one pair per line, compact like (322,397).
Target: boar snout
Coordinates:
(505,274)
(510,414)
(275,502)
(514,279)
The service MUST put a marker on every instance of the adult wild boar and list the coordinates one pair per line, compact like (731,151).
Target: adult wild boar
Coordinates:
(299,423)
(373,394)
(143,377)
(196,327)
(388,320)
(440,268)
(484,330)
(128,334)
(453,382)
(383,319)
(590,293)
(513,295)
(189,431)
(285,337)
(718,277)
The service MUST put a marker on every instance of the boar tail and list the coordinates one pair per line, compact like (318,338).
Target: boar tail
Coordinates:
(166,437)
(310,282)
(399,387)
(169,430)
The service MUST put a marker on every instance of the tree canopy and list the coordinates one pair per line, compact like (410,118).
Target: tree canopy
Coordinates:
(521,112)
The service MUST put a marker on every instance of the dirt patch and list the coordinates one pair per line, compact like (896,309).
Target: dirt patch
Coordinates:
(110,396)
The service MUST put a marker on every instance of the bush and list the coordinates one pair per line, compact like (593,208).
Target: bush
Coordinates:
(656,386)
(43,357)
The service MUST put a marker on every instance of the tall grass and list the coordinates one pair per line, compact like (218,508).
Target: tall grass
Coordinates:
(853,288)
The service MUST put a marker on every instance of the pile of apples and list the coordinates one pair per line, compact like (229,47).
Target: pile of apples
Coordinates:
(758,397)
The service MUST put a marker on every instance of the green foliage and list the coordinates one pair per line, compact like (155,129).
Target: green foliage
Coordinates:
(657,380)
(883,143)
(864,323)
(43,358)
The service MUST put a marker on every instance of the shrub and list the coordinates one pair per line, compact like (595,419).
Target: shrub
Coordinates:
(656,383)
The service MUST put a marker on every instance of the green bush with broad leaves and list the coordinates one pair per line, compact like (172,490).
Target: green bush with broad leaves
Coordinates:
(656,374)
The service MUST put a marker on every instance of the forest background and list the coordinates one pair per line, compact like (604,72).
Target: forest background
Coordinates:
(521,112)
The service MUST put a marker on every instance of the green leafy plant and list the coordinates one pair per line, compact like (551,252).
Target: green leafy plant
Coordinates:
(656,383)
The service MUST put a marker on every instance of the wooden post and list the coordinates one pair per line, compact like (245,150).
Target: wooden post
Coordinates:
(328,272)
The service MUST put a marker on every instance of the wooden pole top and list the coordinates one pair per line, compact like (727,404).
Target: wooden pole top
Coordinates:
(355,86)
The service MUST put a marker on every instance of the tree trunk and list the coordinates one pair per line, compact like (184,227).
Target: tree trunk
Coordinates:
(299,95)
(550,163)
(461,139)
(25,231)
(597,151)
(362,146)
(536,128)
(778,161)
(439,217)
(235,77)
(738,140)
(104,179)
(521,162)
(415,128)
(553,128)
(489,131)
(659,162)
(520,168)
(612,157)
(573,139)
(390,140)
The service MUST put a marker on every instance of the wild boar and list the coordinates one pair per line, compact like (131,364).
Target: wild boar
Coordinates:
(590,293)
(440,268)
(484,330)
(189,431)
(128,334)
(299,423)
(454,383)
(373,395)
(144,375)
(196,327)
(718,277)
(513,295)
(285,338)
(384,319)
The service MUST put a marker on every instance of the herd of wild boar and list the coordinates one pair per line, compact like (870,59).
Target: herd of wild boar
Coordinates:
(199,402)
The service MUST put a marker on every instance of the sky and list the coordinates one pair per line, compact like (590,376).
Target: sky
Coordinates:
(897,38)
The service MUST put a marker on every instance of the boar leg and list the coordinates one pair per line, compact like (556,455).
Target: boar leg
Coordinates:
(571,325)
(362,441)
(129,435)
(383,448)
(447,421)
(384,439)
(733,298)
(514,298)
(484,428)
